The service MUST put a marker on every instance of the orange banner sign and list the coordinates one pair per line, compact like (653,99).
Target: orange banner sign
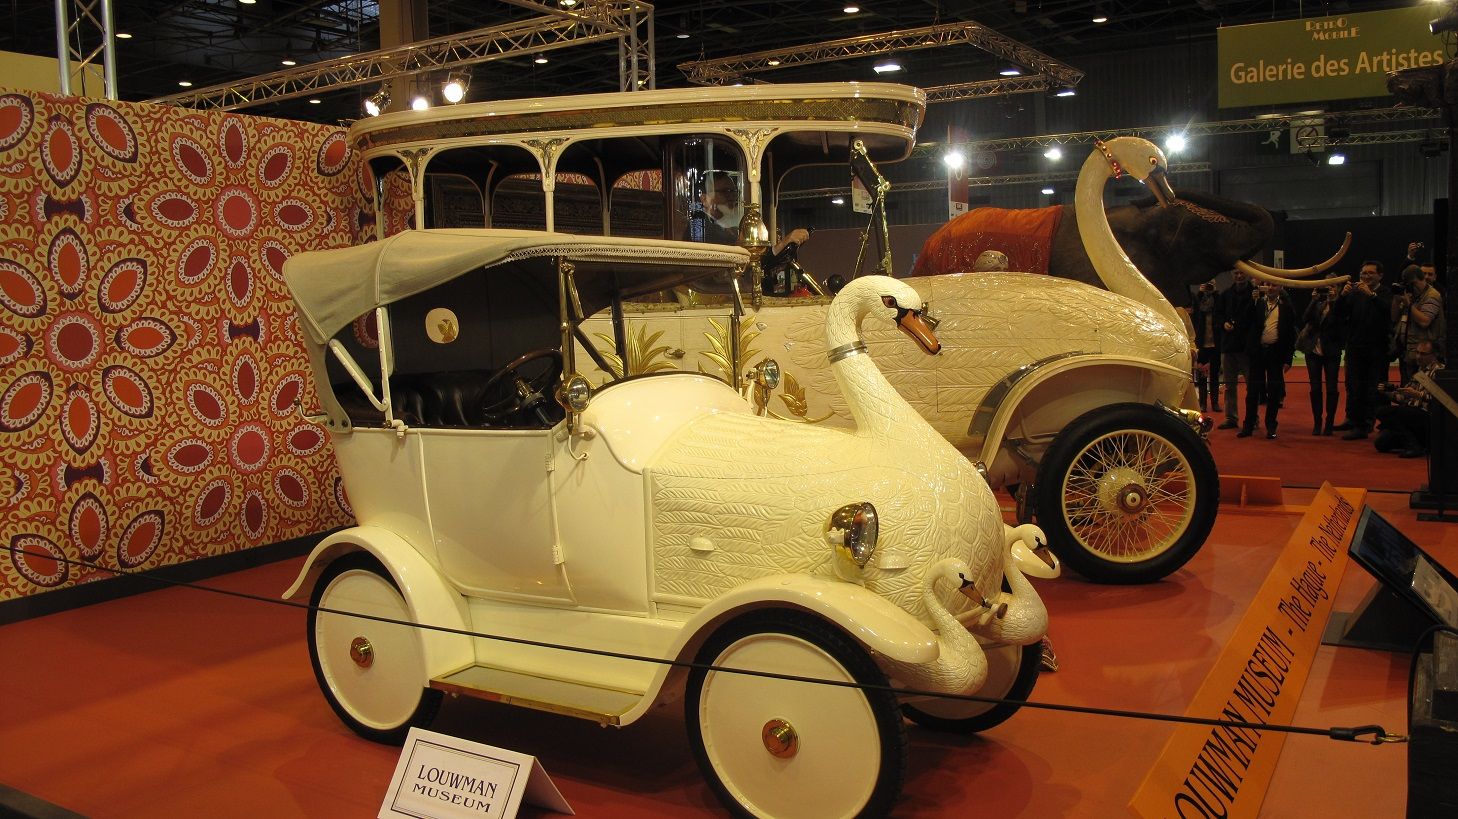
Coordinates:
(1223,771)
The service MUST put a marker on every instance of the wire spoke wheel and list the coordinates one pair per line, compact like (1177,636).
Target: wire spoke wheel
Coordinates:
(1127,493)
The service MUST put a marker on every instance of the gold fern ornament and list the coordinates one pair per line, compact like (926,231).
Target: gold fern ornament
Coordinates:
(794,397)
(719,340)
(643,356)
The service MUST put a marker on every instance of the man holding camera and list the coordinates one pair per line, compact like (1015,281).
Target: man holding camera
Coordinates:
(1365,309)
(1420,305)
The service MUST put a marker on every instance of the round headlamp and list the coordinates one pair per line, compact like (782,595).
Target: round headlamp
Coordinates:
(574,394)
(852,531)
(767,374)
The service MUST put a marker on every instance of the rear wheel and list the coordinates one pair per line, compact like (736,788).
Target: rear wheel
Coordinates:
(784,749)
(1127,494)
(1012,671)
(371,672)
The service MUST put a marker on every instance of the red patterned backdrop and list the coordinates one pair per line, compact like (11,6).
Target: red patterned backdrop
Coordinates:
(150,359)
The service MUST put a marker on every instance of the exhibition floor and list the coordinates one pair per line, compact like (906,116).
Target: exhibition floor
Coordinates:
(183,703)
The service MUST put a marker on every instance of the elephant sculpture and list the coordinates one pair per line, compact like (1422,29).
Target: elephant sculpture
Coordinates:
(1176,245)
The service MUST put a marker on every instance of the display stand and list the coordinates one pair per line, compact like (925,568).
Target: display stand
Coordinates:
(1441,492)
(1414,592)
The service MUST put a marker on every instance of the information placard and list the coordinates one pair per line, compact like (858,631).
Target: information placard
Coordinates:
(442,777)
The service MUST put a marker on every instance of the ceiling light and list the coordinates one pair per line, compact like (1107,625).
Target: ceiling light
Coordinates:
(455,87)
(1175,143)
(288,60)
(887,67)
(1047,191)
(1336,159)
(851,9)
(246,2)
(1448,22)
(954,159)
(567,3)
(122,35)
(420,103)
(377,102)
(682,36)
(772,62)
(184,83)
(1053,154)
(315,100)
(1064,92)
(1010,71)
(541,61)
(839,200)
(1101,19)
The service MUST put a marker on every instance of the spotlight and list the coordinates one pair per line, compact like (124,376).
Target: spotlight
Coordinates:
(1175,143)
(839,200)
(1064,92)
(1101,19)
(455,87)
(541,61)
(1053,154)
(1047,191)
(377,102)
(420,103)
(1448,22)
(954,159)
(288,59)
(851,9)
(887,67)
(1336,159)
(1010,71)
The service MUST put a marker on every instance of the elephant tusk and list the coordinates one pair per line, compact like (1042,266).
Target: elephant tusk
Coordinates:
(1300,284)
(1303,272)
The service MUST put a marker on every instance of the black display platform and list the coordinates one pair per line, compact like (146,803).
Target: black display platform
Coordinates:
(1414,591)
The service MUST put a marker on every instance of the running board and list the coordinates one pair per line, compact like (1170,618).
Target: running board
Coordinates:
(601,705)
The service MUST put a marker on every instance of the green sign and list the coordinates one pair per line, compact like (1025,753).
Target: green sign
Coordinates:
(1323,58)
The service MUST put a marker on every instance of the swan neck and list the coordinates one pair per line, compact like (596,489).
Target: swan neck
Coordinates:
(1115,269)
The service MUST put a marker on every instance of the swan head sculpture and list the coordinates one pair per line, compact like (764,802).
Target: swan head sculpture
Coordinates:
(867,294)
(1142,160)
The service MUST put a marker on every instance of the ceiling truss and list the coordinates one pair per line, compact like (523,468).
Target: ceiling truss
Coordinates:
(729,70)
(588,22)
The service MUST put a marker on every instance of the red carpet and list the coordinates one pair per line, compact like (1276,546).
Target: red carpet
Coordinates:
(182,703)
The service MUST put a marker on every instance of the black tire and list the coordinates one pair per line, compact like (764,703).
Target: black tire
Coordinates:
(970,717)
(398,720)
(842,733)
(1127,494)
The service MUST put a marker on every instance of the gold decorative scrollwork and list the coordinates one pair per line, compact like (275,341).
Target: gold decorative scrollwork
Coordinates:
(756,139)
(547,148)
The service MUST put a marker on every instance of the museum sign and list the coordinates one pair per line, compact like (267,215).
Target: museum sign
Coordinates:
(1322,58)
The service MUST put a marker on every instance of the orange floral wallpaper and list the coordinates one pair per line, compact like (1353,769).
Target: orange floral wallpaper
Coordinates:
(150,359)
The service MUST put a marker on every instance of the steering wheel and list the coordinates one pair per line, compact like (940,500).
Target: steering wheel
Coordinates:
(524,392)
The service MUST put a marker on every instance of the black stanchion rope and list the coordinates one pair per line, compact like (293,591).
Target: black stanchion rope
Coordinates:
(1378,735)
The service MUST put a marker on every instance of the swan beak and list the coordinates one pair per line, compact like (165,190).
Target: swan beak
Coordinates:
(1158,185)
(911,323)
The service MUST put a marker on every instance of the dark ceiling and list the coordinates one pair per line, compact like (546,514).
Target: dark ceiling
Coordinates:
(208,42)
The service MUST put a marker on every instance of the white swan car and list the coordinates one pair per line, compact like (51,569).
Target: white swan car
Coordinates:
(1077,399)
(511,510)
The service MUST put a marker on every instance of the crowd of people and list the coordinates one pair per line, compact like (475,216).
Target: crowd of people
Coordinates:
(1252,331)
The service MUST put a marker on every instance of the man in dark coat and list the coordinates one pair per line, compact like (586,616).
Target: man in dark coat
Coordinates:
(1234,312)
(1365,309)
(1270,342)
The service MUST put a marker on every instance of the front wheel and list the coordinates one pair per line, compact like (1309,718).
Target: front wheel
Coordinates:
(1127,494)
(371,672)
(1012,671)
(785,749)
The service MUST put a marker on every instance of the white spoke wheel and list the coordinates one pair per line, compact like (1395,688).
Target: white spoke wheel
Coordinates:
(1011,674)
(371,672)
(1127,494)
(785,749)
